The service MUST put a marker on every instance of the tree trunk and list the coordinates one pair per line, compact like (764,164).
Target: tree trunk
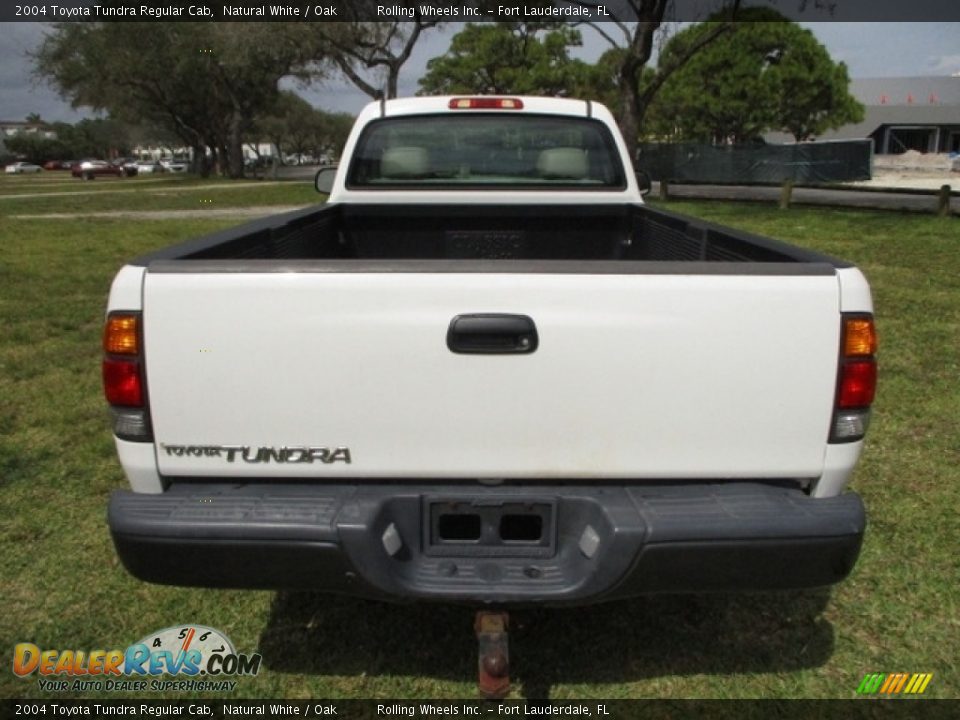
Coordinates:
(393,81)
(633,105)
(235,144)
(629,114)
(199,164)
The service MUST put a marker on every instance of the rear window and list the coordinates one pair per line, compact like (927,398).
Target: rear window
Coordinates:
(486,150)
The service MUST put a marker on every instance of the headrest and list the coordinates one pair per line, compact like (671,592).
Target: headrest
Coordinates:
(562,162)
(404,162)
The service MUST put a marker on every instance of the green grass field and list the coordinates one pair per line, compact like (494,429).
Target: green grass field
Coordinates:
(178,192)
(63,587)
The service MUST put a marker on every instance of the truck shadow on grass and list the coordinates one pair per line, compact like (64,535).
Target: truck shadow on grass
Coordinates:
(618,642)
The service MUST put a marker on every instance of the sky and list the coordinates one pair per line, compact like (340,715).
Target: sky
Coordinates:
(869,50)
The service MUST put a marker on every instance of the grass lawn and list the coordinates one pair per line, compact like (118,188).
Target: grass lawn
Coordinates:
(130,194)
(63,587)
(60,182)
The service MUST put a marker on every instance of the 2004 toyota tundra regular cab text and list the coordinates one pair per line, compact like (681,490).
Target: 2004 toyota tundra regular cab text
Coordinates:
(485,372)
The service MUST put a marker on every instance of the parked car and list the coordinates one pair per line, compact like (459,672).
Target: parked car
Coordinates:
(301,159)
(128,165)
(58,165)
(90,169)
(19,168)
(174,164)
(255,163)
(146,167)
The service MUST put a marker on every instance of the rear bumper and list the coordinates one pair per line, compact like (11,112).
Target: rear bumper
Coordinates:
(595,542)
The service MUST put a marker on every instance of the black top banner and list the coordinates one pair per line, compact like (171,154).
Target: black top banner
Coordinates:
(470,10)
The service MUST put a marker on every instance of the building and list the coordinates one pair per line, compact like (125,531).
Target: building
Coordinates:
(156,151)
(9,128)
(906,113)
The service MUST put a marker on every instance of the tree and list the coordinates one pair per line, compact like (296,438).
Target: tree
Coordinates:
(601,81)
(289,125)
(138,71)
(631,32)
(512,57)
(100,137)
(361,50)
(35,148)
(632,35)
(203,82)
(329,134)
(246,65)
(770,74)
(296,127)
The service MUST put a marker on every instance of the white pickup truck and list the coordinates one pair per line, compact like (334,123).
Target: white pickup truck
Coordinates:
(484,371)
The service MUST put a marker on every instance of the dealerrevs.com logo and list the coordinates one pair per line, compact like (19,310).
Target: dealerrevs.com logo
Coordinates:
(199,657)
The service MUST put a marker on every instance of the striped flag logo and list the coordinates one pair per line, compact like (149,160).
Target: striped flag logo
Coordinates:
(894,683)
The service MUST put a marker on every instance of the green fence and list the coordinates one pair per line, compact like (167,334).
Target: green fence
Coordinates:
(820,162)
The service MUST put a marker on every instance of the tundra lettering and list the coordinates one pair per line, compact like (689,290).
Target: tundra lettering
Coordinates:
(262,454)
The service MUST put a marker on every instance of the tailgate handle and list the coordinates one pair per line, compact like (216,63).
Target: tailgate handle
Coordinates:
(492,334)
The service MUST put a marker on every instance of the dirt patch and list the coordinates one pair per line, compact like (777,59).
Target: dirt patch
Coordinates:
(915,161)
(910,181)
(914,171)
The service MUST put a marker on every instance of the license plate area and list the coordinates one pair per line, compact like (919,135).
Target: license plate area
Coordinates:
(499,527)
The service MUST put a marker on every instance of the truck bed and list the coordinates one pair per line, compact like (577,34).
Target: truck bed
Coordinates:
(491,232)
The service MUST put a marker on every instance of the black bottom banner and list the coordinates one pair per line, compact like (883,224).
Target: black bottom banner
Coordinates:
(488,709)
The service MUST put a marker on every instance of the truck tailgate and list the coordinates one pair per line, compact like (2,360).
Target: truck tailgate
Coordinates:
(254,374)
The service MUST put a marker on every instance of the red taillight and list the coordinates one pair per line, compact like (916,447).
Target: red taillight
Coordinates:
(121,382)
(857,378)
(858,384)
(486,103)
